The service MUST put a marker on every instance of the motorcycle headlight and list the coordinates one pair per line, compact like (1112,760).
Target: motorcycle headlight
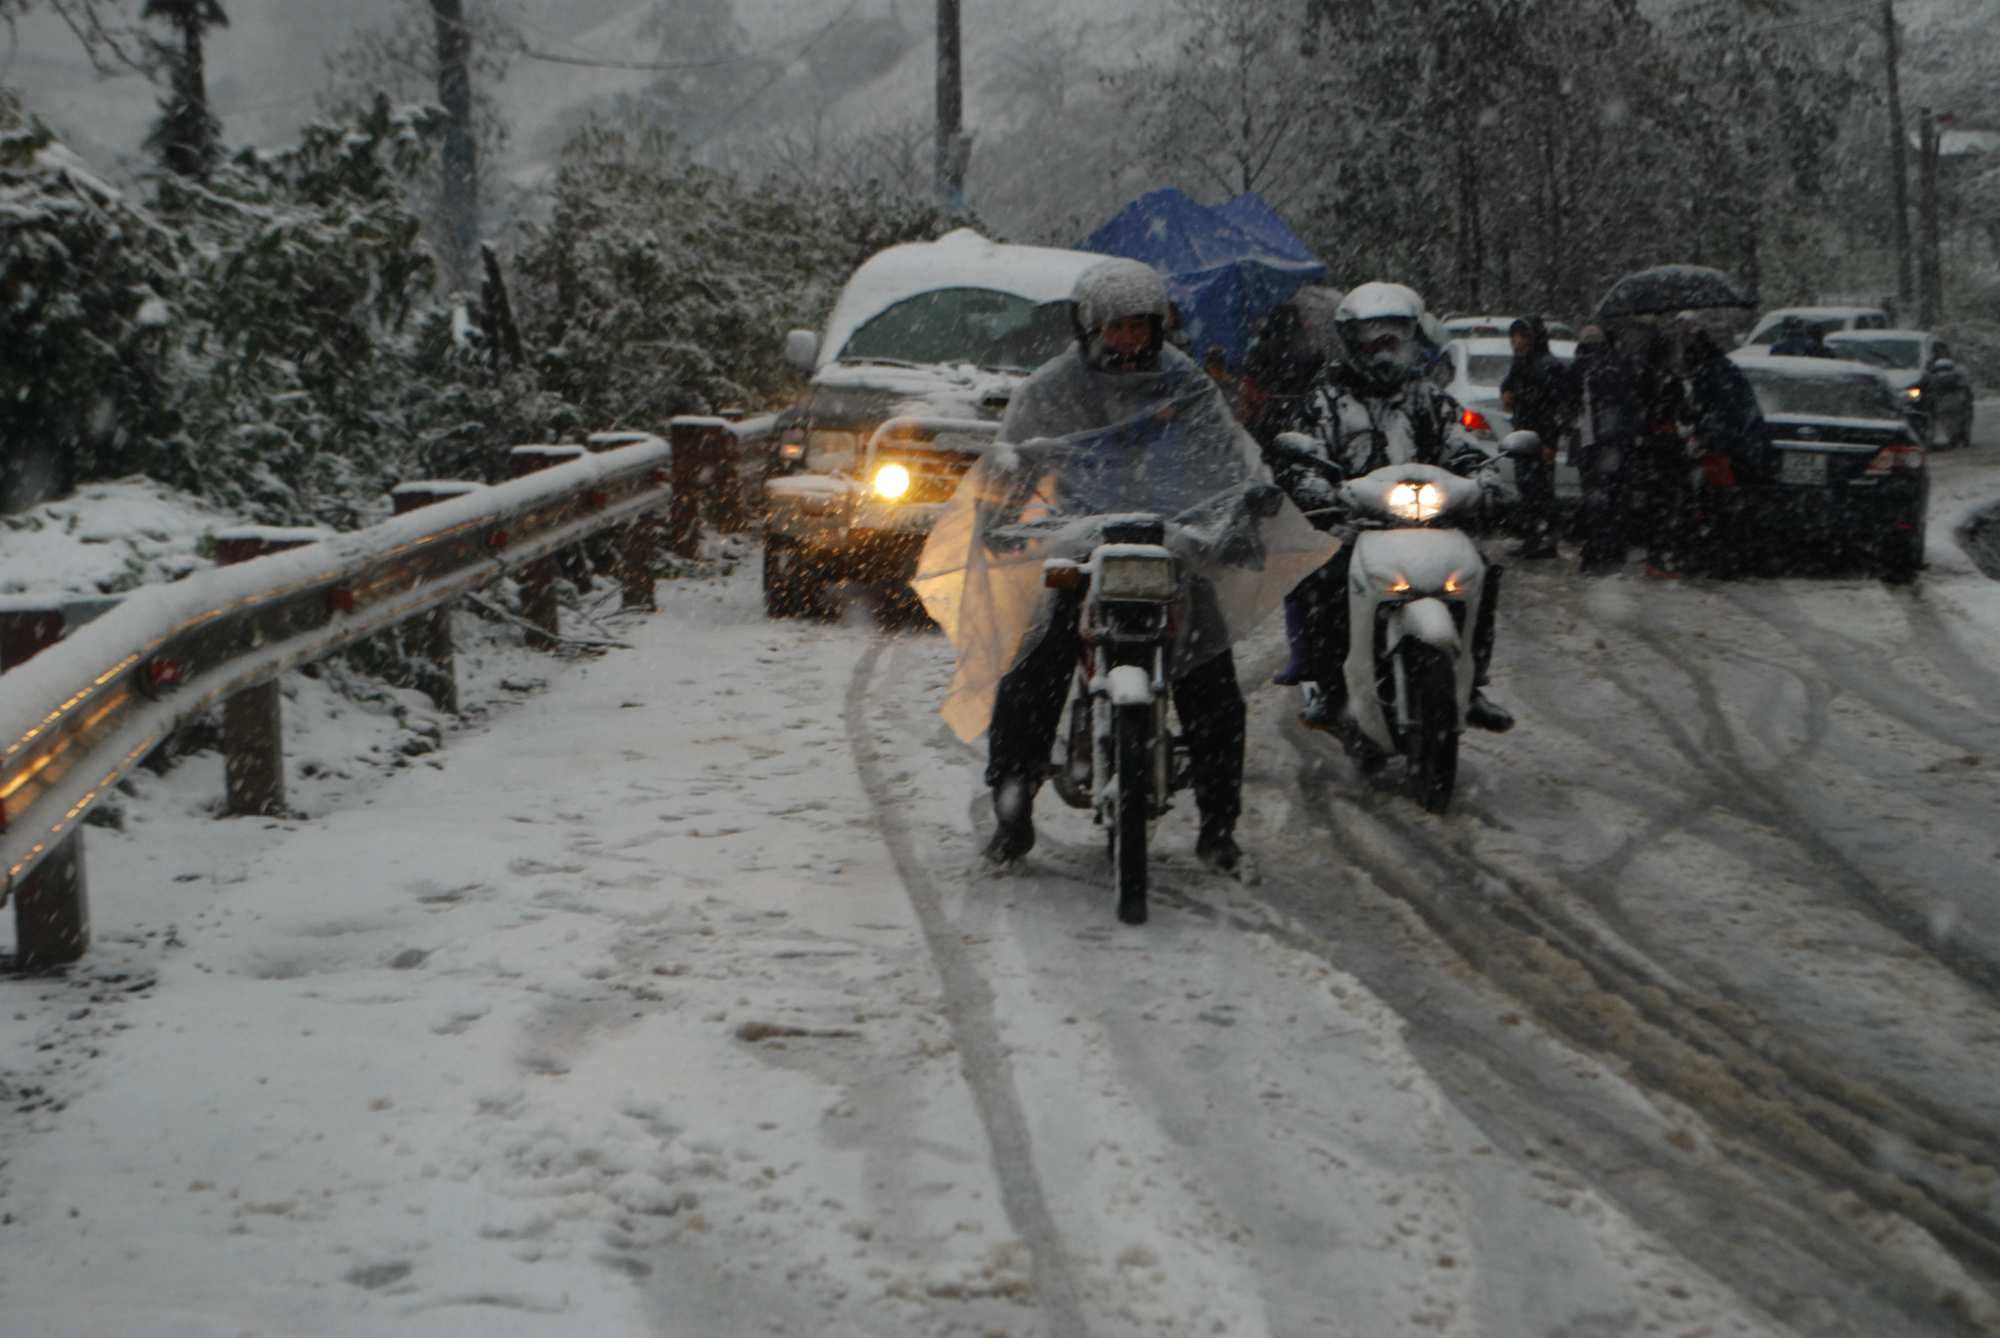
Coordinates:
(892,481)
(1136,576)
(1415,501)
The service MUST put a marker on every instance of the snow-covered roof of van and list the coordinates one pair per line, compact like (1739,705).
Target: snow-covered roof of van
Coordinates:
(961,259)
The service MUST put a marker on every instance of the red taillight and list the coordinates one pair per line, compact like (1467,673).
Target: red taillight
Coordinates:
(1891,458)
(599,498)
(1474,422)
(1061,574)
(497,539)
(162,672)
(341,599)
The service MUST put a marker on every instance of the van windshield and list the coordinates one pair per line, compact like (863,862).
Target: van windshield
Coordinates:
(954,325)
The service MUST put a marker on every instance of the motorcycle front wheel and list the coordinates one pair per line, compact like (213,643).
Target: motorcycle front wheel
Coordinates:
(1431,743)
(1132,742)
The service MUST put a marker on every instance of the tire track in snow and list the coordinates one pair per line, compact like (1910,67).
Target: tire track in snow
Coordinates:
(1595,997)
(982,1054)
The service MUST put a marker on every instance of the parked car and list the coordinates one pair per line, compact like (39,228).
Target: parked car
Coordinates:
(907,386)
(1851,481)
(1935,392)
(1475,368)
(1461,326)
(1823,321)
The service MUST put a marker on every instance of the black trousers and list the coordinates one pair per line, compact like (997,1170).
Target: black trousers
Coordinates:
(1660,474)
(1535,517)
(1605,500)
(1028,711)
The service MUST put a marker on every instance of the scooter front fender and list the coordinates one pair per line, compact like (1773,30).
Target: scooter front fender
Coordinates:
(1429,621)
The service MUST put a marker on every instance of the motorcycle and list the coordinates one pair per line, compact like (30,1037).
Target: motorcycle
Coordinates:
(1117,755)
(1420,617)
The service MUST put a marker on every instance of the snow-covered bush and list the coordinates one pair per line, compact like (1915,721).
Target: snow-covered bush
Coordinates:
(662,286)
(304,270)
(85,282)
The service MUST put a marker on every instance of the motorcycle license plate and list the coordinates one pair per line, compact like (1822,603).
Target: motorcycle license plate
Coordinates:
(1803,467)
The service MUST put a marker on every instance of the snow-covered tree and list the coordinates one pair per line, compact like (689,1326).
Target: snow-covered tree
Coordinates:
(87,282)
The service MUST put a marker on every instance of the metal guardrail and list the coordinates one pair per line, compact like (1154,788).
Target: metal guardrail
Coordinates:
(82,713)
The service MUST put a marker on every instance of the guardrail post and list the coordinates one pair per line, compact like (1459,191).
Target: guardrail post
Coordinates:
(52,909)
(537,580)
(253,751)
(253,721)
(635,562)
(432,639)
(25,632)
(704,468)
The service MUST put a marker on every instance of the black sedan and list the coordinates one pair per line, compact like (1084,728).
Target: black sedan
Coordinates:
(1935,391)
(1850,483)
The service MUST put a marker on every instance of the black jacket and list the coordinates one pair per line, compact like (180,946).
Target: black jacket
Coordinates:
(1608,404)
(1542,389)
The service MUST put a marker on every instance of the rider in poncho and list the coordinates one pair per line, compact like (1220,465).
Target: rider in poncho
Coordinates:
(1120,423)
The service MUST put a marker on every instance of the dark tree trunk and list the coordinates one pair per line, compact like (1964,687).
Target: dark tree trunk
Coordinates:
(460,157)
(187,136)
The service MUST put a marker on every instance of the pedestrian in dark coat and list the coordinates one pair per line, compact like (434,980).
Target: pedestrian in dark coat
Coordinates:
(1733,444)
(1607,389)
(1540,396)
(1660,471)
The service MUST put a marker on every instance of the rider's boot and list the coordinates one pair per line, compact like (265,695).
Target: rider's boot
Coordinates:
(1216,846)
(1014,807)
(1483,714)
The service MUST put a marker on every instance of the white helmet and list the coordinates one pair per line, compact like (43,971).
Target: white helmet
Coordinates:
(1115,288)
(1380,325)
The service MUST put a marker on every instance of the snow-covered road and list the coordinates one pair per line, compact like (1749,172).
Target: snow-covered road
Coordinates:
(668,997)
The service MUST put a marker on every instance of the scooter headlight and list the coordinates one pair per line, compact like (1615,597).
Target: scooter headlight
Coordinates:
(1136,576)
(1415,501)
(892,481)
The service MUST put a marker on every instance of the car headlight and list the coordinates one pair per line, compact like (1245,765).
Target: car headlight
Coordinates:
(1135,576)
(1415,501)
(1915,392)
(892,481)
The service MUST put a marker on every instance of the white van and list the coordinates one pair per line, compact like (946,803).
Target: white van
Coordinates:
(908,384)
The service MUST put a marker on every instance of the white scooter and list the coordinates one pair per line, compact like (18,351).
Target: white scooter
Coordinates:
(1419,604)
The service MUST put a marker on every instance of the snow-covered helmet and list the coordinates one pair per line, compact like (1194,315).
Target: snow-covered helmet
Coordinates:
(1379,325)
(1112,288)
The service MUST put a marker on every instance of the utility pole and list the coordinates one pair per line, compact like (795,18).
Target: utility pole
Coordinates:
(1898,166)
(952,145)
(1930,260)
(459,158)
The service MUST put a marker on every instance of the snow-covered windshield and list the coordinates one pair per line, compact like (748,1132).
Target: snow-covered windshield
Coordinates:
(1901,354)
(955,325)
(1822,396)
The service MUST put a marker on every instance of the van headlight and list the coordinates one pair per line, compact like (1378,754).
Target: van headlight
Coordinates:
(892,481)
(1136,576)
(1415,501)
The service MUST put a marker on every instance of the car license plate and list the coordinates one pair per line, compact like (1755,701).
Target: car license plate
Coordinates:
(1805,467)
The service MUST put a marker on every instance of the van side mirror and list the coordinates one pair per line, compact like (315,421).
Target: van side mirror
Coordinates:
(801,351)
(1521,443)
(1944,365)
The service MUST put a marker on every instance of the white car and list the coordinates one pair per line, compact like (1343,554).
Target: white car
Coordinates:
(1477,366)
(1461,326)
(1822,320)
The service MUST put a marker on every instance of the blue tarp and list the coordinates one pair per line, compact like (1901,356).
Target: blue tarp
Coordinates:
(1225,265)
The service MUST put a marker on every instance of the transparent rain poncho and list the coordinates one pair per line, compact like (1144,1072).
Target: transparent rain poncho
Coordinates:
(1184,459)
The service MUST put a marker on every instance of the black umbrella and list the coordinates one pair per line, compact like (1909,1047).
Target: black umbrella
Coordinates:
(1673,288)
